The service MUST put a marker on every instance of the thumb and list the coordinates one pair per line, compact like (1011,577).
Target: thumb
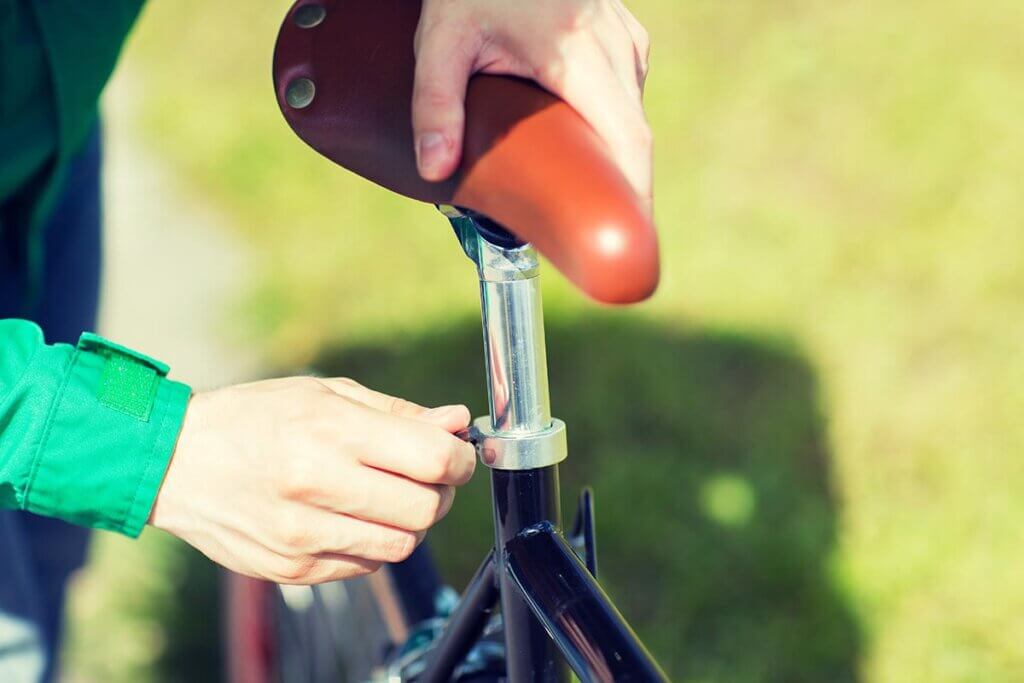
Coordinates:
(449,418)
(443,65)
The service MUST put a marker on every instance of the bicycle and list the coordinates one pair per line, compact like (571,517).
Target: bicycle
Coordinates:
(343,74)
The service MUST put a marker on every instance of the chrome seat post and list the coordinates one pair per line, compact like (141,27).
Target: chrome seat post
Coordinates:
(519,433)
(513,321)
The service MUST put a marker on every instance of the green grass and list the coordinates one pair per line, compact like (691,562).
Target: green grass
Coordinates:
(806,448)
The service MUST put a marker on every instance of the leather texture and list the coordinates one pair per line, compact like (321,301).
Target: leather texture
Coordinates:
(530,162)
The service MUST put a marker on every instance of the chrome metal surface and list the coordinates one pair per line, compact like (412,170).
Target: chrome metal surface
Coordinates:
(496,264)
(520,432)
(449,211)
(309,15)
(493,263)
(504,451)
(517,371)
(300,93)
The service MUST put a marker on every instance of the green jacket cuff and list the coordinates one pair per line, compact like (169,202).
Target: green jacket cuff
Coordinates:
(109,435)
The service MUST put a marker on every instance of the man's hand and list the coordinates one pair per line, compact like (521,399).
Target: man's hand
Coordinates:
(591,53)
(306,480)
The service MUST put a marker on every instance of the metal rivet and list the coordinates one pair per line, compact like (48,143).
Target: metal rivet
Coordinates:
(309,15)
(300,93)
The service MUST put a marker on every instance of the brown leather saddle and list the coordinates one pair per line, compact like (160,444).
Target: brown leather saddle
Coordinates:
(343,72)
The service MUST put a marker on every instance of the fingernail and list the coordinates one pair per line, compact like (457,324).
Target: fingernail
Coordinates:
(488,455)
(431,154)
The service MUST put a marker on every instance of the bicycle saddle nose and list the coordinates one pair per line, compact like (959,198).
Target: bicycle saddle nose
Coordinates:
(343,72)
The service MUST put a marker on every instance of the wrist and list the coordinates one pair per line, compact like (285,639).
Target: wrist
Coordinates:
(169,512)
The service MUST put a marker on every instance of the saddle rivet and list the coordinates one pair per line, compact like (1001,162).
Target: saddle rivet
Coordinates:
(300,93)
(309,15)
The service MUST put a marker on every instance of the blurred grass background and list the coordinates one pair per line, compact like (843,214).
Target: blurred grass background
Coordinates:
(807,447)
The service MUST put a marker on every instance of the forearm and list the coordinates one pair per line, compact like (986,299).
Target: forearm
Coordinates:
(85,433)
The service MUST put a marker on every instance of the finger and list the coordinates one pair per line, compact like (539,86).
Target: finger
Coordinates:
(621,58)
(303,532)
(412,449)
(353,390)
(444,60)
(382,497)
(616,41)
(641,41)
(314,570)
(343,535)
(451,418)
(589,83)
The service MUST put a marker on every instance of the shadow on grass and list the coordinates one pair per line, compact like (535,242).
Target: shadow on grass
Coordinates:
(715,512)
(708,453)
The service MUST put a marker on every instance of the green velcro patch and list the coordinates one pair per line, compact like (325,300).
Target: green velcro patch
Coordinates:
(128,386)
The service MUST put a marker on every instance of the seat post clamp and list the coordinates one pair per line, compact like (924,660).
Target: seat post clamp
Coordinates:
(512,451)
(494,262)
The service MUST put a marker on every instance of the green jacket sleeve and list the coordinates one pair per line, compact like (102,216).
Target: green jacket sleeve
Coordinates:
(86,432)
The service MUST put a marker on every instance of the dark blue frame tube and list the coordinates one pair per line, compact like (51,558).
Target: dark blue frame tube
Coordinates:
(554,613)
(522,499)
(563,596)
(465,625)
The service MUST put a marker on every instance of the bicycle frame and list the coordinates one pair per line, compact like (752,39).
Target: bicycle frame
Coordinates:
(554,613)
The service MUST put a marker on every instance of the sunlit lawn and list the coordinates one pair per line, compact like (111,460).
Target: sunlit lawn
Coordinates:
(807,448)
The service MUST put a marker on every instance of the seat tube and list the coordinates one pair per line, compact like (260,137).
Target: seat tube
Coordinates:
(520,441)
